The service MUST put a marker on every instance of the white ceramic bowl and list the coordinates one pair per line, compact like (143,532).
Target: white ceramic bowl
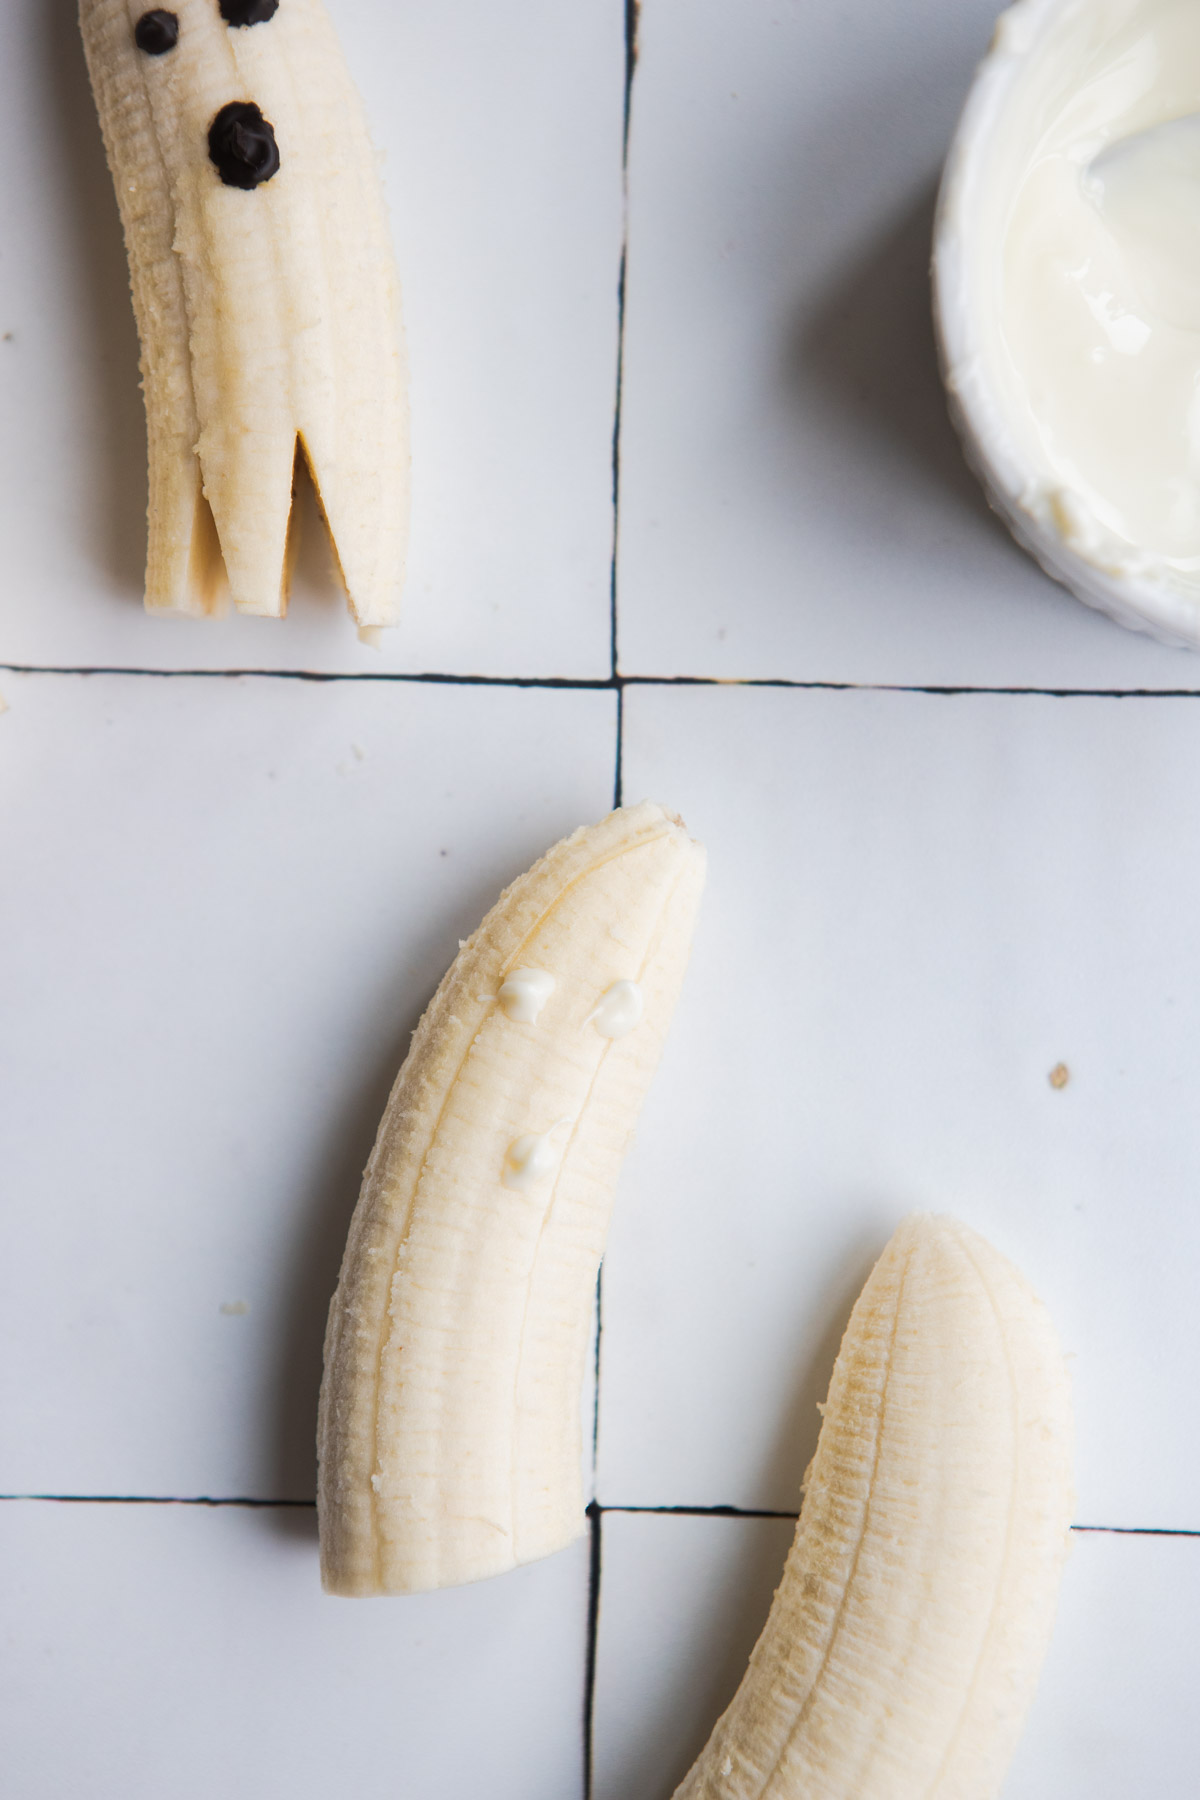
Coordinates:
(1036,44)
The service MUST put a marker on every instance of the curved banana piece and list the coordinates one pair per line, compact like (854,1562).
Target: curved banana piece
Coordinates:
(265,295)
(449,1432)
(905,1640)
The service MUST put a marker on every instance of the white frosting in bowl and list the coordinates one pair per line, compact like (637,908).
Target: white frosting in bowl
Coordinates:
(1067,294)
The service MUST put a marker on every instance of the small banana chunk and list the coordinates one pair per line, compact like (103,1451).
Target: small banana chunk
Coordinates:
(449,1432)
(905,1640)
(265,293)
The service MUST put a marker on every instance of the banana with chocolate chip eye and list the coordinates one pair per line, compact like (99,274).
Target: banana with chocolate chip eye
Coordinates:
(265,293)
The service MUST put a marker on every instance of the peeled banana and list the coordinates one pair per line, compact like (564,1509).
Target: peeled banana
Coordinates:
(449,1431)
(905,1640)
(265,293)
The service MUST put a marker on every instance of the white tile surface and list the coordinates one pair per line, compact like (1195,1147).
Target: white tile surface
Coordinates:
(500,128)
(1115,1714)
(793,502)
(224,905)
(189,1651)
(917,907)
(685,1598)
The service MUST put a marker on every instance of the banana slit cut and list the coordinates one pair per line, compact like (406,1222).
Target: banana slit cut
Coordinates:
(304,473)
(207,579)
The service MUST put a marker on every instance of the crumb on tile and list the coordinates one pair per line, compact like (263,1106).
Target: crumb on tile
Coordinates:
(1059,1075)
(234,1308)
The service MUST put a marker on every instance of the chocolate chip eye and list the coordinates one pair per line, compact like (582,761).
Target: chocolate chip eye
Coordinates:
(248,12)
(156,32)
(242,145)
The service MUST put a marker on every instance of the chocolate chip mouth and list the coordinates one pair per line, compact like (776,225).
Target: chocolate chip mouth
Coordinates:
(248,12)
(241,144)
(156,32)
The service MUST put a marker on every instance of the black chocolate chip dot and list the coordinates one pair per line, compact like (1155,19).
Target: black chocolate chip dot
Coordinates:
(242,145)
(248,12)
(156,32)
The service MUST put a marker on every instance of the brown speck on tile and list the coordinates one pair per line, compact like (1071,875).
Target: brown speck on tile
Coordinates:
(1059,1075)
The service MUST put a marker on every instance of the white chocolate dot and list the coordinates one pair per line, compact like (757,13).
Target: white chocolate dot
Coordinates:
(523,994)
(528,1160)
(619,1010)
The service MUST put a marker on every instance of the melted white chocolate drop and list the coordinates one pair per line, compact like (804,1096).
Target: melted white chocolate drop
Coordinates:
(530,1159)
(620,1009)
(523,994)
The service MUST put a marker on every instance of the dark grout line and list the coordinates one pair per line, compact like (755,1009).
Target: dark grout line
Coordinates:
(158,1500)
(1167,1531)
(700,1512)
(632,9)
(593,684)
(619,776)
(613,648)
(934,690)
(595,1512)
(595,1517)
(613,652)
(427,678)
(595,1527)
(746,1512)
(596,1369)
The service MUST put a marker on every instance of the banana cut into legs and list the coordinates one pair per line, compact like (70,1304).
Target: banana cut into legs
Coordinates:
(265,294)
(905,1640)
(449,1434)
